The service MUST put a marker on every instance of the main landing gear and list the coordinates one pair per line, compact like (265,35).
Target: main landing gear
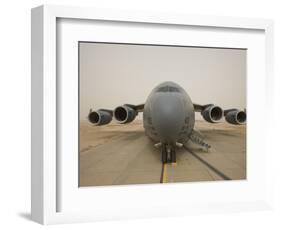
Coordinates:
(168,154)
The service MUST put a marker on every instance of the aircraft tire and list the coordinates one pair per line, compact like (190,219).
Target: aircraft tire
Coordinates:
(174,156)
(164,156)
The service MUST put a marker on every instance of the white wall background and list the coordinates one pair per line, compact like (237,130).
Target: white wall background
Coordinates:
(114,74)
(15,113)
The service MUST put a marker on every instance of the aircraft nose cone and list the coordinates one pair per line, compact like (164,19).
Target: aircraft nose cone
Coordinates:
(168,116)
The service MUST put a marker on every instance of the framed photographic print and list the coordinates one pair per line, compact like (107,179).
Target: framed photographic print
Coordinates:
(140,114)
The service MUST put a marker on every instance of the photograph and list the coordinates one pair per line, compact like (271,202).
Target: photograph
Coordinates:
(148,113)
(161,113)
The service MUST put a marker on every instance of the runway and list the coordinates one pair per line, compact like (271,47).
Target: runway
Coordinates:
(118,154)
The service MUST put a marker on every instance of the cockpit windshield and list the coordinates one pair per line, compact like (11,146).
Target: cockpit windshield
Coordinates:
(168,89)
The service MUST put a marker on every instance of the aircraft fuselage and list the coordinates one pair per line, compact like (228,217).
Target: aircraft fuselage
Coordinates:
(168,115)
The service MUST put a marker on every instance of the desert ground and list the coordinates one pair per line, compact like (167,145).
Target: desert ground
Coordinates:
(121,154)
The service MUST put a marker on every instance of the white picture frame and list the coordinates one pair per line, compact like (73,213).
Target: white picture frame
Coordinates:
(54,201)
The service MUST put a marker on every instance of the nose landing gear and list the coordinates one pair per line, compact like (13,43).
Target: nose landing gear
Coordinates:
(168,154)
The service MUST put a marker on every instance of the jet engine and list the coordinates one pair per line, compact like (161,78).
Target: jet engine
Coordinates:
(125,114)
(235,117)
(212,113)
(100,117)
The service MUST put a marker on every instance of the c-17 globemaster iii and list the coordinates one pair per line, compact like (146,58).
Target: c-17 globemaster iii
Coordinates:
(168,118)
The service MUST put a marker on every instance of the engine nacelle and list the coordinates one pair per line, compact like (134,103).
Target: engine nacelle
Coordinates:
(125,114)
(100,117)
(236,117)
(212,113)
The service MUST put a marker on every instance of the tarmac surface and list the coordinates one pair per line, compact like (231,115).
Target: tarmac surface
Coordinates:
(121,154)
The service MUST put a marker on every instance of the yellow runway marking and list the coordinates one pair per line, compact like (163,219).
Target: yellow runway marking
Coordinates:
(165,177)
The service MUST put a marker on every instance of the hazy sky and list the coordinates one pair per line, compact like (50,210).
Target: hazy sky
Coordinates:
(113,74)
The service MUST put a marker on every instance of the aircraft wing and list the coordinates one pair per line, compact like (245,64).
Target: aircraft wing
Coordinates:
(138,108)
(123,114)
(213,113)
(200,108)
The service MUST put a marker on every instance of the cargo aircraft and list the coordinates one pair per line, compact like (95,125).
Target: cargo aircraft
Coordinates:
(168,118)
